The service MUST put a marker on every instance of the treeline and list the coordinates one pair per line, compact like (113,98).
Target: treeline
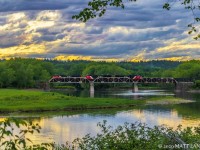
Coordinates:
(188,69)
(24,73)
(29,73)
(76,68)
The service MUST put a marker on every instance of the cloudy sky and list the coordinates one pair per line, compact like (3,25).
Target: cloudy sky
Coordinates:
(142,31)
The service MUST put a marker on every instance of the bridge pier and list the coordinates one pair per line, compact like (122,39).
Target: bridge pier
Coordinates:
(135,87)
(46,86)
(91,88)
(183,86)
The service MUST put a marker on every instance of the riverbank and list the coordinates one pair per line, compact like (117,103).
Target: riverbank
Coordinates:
(13,100)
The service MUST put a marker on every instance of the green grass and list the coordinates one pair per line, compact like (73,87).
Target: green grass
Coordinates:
(64,87)
(12,100)
(30,100)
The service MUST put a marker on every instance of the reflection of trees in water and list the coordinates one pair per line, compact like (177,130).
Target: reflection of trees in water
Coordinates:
(188,95)
(184,95)
(189,110)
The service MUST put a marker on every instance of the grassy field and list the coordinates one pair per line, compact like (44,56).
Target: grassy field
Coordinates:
(30,100)
(12,100)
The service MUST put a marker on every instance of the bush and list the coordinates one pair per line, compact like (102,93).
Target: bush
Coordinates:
(138,137)
(135,136)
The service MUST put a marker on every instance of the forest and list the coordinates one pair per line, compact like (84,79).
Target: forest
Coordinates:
(29,72)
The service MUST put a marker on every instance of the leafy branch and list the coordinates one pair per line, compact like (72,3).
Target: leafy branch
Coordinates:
(191,5)
(13,135)
(97,8)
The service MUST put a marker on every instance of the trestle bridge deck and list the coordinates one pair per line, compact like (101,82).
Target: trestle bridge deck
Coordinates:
(122,79)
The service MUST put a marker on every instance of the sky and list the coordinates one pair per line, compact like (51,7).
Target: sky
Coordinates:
(142,31)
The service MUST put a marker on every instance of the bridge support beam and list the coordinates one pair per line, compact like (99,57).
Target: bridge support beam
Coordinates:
(135,87)
(46,86)
(91,88)
(183,86)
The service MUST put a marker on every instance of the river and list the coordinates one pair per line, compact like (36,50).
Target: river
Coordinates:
(66,126)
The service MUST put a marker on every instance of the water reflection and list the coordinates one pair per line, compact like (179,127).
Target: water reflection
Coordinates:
(146,93)
(64,127)
(118,93)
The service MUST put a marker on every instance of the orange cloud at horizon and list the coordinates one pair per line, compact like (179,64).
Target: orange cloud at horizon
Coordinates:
(87,58)
(22,51)
(72,57)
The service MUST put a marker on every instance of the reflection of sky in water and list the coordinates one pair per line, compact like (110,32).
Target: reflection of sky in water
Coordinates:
(145,93)
(66,128)
(122,93)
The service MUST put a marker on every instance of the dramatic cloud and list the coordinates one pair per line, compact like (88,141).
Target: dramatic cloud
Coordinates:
(142,31)
(21,5)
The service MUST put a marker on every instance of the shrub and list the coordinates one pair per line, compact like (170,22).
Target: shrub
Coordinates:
(137,136)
